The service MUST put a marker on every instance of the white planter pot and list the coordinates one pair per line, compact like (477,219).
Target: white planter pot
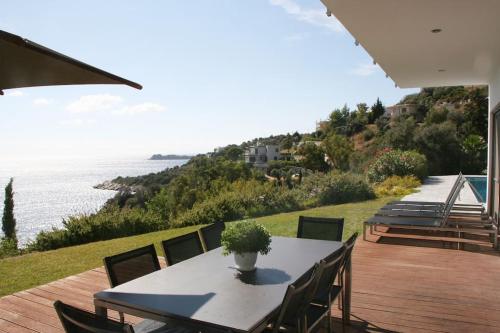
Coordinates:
(245,262)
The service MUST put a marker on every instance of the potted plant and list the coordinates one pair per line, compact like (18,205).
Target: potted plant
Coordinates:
(245,240)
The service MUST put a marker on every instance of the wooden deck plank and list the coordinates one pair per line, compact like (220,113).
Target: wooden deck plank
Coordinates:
(10,327)
(396,288)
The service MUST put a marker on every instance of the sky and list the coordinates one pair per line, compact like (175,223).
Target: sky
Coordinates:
(214,73)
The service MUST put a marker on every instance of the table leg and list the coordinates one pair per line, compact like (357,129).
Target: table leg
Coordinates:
(347,300)
(100,310)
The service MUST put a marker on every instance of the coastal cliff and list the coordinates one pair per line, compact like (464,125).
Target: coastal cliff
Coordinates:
(157,157)
(113,186)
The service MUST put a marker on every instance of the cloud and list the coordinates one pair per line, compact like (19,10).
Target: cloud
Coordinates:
(42,101)
(140,108)
(94,103)
(14,93)
(365,69)
(111,104)
(314,16)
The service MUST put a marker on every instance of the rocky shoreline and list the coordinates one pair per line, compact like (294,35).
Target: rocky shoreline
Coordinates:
(113,186)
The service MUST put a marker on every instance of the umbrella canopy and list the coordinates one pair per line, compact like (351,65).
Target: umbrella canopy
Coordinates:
(24,63)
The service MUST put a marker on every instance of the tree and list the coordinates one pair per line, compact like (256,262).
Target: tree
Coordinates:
(313,157)
(378,110)
(476,113)
(233,152)
(358,120)
(441,146)
(8,220)
(287,142)
(401,133)
(474,149)
(339,120)
(338,148)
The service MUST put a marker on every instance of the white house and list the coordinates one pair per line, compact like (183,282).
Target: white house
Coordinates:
(259,155)
(400,109)
(429,43)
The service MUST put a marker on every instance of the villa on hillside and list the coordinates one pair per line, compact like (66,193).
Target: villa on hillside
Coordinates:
(400,109)
(259,155)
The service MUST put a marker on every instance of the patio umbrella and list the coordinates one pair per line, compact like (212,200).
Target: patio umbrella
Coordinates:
(24,63)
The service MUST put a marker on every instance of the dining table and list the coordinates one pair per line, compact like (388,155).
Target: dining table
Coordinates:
(209,294)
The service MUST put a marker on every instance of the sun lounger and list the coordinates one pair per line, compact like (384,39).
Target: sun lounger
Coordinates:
(436,211)
(438,223)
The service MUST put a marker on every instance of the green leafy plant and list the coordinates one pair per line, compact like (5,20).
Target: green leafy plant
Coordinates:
(244,237)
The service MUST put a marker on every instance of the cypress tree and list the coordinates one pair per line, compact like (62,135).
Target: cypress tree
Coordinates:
(377,111)
(8,220)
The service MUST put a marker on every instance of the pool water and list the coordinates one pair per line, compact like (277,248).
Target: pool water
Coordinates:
(478,184)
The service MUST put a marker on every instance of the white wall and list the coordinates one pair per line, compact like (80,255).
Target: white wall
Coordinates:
(494,95)
(495,90)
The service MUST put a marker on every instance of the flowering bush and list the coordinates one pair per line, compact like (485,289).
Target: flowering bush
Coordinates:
(397,163)
(396,185)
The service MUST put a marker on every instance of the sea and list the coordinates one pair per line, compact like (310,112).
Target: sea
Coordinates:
(46,191)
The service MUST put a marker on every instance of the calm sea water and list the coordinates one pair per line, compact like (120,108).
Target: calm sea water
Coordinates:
(46,191)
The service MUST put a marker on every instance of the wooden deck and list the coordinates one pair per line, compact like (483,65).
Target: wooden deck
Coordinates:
(396,288)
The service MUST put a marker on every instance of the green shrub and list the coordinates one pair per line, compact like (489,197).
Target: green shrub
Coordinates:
(106,224)
(8,247)
(335,188)
(244,237)
(243,200)
(368,134)
(397,186)
(398,163)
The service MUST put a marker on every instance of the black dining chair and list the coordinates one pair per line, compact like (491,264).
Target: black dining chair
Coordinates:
(346,262)
(327,291)
(75,320)
(211,235)
(182,248)
(292,313)
(321,228)
(126,266)
(130,265)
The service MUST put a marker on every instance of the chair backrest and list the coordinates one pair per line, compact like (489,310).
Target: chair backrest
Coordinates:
(331,268)
(130,265)
(297,298)
(320,228)
(182,248)
(449,207)
(454,188)
(211,235)
(349,246)
(75,320)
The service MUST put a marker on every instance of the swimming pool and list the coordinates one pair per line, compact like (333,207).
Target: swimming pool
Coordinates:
(478,185)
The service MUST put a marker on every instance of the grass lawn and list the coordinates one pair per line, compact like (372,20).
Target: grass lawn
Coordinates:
(33,269)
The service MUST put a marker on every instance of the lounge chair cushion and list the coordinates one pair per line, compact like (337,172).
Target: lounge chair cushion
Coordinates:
(412,213)
(406,221)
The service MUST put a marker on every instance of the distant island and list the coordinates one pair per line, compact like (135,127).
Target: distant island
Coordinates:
(157,157)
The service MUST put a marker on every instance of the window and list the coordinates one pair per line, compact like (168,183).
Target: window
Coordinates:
(275,158)
(252,159)
(276,150)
